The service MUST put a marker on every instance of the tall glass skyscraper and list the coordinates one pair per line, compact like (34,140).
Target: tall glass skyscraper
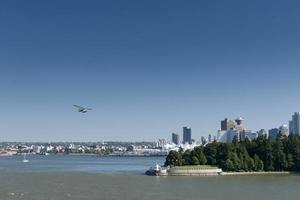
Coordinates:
(294,124)
(187,135)
(175,138)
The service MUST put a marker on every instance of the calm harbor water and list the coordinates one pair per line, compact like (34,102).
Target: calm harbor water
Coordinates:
(91,177)
(79,163)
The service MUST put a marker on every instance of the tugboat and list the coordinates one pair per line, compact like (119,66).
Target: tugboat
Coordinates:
(157,170)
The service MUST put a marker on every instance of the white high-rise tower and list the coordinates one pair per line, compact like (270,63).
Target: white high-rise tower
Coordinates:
(294,124)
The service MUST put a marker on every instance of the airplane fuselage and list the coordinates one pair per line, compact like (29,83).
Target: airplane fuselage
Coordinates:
(82,110)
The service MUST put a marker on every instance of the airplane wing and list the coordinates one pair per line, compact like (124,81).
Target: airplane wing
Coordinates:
(78,106)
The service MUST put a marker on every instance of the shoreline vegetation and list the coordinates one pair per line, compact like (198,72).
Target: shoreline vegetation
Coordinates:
(260,156)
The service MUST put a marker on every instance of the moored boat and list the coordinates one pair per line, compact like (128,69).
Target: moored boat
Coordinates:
(157,170)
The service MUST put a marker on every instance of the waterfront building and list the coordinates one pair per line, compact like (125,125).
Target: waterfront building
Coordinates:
(221,137)
(227,136)
(273,133)
(231,129)
(161,143)
(294,124)
(248,134)
(175,138)
(231,134)
(187,135)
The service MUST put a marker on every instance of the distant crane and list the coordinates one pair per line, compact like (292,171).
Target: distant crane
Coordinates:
(82,109)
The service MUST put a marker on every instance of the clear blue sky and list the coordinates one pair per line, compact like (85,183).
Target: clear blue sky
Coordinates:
(147,68)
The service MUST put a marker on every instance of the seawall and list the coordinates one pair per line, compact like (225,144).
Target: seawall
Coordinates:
(194,172)
(256,173)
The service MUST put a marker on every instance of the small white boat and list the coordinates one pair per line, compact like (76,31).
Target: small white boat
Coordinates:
(157,170)
(24,159)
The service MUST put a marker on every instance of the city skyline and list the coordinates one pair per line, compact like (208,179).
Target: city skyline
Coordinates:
(187,137)
(146,68)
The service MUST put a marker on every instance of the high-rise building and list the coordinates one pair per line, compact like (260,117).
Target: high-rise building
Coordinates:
(227,124)
(187,135)
(209,138)
(273,133)
(232,134)
(175,138)
(294,124)
(291,126)
(161,143)
(224,124)
(234,129)
(262,132)
(203,140)
(284,130)
(248,134)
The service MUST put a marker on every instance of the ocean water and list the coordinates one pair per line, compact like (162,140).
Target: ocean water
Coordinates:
(79,163)
(106,178)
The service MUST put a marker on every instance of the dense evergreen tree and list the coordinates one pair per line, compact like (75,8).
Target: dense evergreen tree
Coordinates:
(268,156)
(258,163)
(228,166)
(187,157)
(202,159)
(290,161)
(174,158)
(280,162)
(261,154)
(210,152)
(195,161)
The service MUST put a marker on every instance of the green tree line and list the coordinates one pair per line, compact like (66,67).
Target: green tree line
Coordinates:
(260,154)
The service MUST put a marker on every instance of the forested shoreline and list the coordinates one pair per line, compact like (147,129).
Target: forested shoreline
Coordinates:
(260,154)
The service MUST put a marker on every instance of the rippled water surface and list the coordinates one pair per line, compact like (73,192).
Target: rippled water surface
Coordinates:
(90,177)
(79,163)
